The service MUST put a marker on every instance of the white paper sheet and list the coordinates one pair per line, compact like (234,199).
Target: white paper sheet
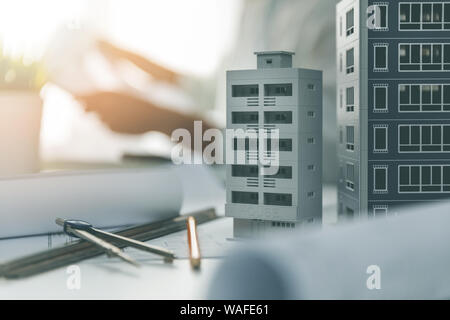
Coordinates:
(30,204)
(411,251)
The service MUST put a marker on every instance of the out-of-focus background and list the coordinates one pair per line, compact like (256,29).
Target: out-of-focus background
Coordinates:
(49,47)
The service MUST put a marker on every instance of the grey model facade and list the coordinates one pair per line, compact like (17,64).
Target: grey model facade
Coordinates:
(393,96)
(275,96)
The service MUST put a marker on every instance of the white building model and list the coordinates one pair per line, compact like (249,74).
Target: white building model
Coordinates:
(275,96)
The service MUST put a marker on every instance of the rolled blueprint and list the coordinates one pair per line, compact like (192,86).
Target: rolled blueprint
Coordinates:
(401,257)
(29,204)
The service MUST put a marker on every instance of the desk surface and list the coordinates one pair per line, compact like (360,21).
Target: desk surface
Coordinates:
(116,280)
(103,278)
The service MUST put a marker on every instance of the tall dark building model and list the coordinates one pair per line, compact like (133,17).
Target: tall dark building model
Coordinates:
(393,96)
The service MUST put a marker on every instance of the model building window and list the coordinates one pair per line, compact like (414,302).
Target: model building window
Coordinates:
(424,57)
(425,16)
(424,98)
(446,57)
(250,90)
(410,16)
(380,179)
(409,139)
(285,145)
(349,213)
(244,171)
(273,90)
(380,96)
(380,135)
(425,179)
(381,17)
(380,211)
(409,179)
(432,16)
(410,57)
(431,178)
(446,138)
(426,95)
(350,138)
(446,178)
(447,16)
(350,22)
(278,199)
(278,117)
(431,98)
(424,138)
(350,57)
(409,98)
(431,57)
(350,99)
(431,138)
(244,197)
(283,225)
(446,99)
(244,117)
(427,13)
(350,180)
(283,173)
(381,57)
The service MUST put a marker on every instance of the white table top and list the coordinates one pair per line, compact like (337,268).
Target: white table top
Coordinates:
(116,280)
(102,278)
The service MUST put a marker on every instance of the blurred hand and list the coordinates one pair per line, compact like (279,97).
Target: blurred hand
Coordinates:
(158,72)
(123,113)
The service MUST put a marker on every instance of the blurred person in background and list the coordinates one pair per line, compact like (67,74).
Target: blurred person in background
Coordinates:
(304,27)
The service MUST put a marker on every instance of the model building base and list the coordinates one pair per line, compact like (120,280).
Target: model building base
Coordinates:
(247,229)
